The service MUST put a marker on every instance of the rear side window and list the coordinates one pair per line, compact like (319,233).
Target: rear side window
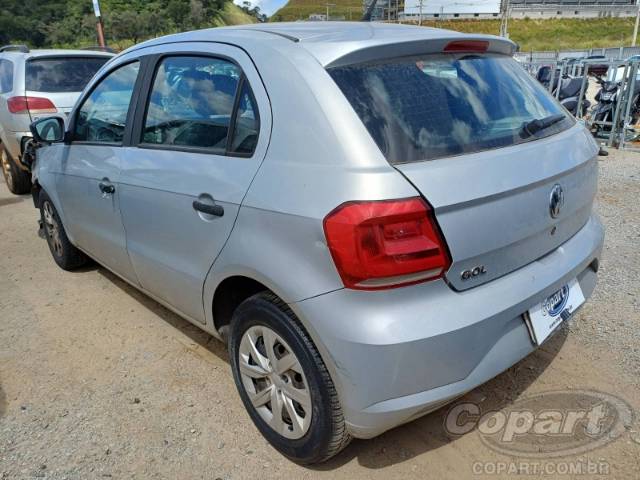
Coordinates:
(61,74)
(6,76)
(443,105)
(103,115)
(247,123)
(192,103)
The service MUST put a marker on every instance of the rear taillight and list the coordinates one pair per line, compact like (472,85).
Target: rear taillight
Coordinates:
(383,244)
(467,46)
(31,104)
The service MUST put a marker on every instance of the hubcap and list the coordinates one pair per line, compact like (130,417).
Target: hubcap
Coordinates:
(273,378)
(6,168)
(52,228)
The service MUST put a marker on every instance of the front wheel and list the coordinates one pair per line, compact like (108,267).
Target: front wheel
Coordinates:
(284,383)
(64,253)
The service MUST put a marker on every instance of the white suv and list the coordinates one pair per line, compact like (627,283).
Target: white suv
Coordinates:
(33,83)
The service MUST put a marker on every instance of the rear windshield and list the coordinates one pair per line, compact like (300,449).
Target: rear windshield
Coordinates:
(443,105)
(68,74)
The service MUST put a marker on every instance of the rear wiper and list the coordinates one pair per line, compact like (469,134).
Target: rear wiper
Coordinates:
(534,126)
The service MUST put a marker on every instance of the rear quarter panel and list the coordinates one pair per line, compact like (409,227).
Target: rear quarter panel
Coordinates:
(320,156)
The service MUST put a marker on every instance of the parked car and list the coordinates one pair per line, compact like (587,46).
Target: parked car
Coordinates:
(34,83)
(369,230)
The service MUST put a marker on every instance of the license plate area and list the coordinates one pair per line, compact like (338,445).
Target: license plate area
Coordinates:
(547,315)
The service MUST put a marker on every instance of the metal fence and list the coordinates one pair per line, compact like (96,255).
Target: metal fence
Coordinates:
(619,127)
(612,53)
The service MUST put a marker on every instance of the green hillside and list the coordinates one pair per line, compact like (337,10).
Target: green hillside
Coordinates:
(301,9)
(231,14)
(551,34)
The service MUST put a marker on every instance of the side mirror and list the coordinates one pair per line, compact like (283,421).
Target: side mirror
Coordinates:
(48,130)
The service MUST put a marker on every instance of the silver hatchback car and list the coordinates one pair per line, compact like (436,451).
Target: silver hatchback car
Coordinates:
(376,218)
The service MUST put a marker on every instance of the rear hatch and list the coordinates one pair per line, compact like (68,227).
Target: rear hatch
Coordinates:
(510,175)
(60,80)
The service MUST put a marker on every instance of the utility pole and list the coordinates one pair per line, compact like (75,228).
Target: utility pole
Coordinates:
(99,25)
(329,5)
(420,14)
(504,31)
(635,28)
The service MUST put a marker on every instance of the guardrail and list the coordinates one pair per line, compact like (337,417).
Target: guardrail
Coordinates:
(619,129)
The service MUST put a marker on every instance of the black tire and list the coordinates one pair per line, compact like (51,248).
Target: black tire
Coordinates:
(18,181)
(64,253)
(327,434)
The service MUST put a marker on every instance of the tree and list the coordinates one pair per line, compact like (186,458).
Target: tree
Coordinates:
(71,23)
(253,11)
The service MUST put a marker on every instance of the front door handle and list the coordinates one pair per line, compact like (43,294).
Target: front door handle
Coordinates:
(106,187)
(216,210)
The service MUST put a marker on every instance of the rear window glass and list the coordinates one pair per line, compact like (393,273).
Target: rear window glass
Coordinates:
(443,105)
(69,74)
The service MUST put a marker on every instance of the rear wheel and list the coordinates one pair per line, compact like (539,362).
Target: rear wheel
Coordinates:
(283,382)
(64,253)
(18,181)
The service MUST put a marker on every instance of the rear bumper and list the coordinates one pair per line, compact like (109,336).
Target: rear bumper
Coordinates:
(398,354)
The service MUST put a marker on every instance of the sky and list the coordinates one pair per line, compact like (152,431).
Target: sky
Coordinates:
(266,6)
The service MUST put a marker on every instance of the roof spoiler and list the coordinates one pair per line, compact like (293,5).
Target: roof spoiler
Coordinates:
(412,47)
(97,48)
(15,48)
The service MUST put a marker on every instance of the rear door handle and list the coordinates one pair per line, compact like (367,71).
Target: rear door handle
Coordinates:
(216,210)
(106,187)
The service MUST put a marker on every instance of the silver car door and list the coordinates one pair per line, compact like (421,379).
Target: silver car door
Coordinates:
(90,170)
(202,132)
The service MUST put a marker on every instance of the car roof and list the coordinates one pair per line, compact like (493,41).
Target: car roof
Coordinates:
(330,41)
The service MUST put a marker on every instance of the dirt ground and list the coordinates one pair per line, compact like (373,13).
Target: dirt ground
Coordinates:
(97,381)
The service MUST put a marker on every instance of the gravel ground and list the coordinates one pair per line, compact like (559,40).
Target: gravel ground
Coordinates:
(616,325)
(97,381)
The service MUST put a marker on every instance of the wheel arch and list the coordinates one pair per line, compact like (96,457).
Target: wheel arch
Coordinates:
(249,283)
(56,203)
(227,297)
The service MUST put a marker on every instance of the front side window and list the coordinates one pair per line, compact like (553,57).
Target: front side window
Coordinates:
(61,74)
(435,106)
(191,103)
(6,76)
(102,118)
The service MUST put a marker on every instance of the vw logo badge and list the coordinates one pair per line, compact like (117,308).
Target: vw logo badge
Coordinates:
(556,201)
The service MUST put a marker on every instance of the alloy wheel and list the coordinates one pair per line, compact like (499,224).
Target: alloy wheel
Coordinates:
(274,381)
(52,227)
(6,167)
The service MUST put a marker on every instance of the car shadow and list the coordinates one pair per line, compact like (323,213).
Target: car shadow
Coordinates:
(195,333)
(406,441)
(11,200)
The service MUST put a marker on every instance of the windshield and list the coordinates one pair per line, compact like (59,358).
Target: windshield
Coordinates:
(443,105)
(68,74)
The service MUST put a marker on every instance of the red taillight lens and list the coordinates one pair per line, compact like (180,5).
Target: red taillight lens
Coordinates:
(31,104)
(470,46)
(383,244)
